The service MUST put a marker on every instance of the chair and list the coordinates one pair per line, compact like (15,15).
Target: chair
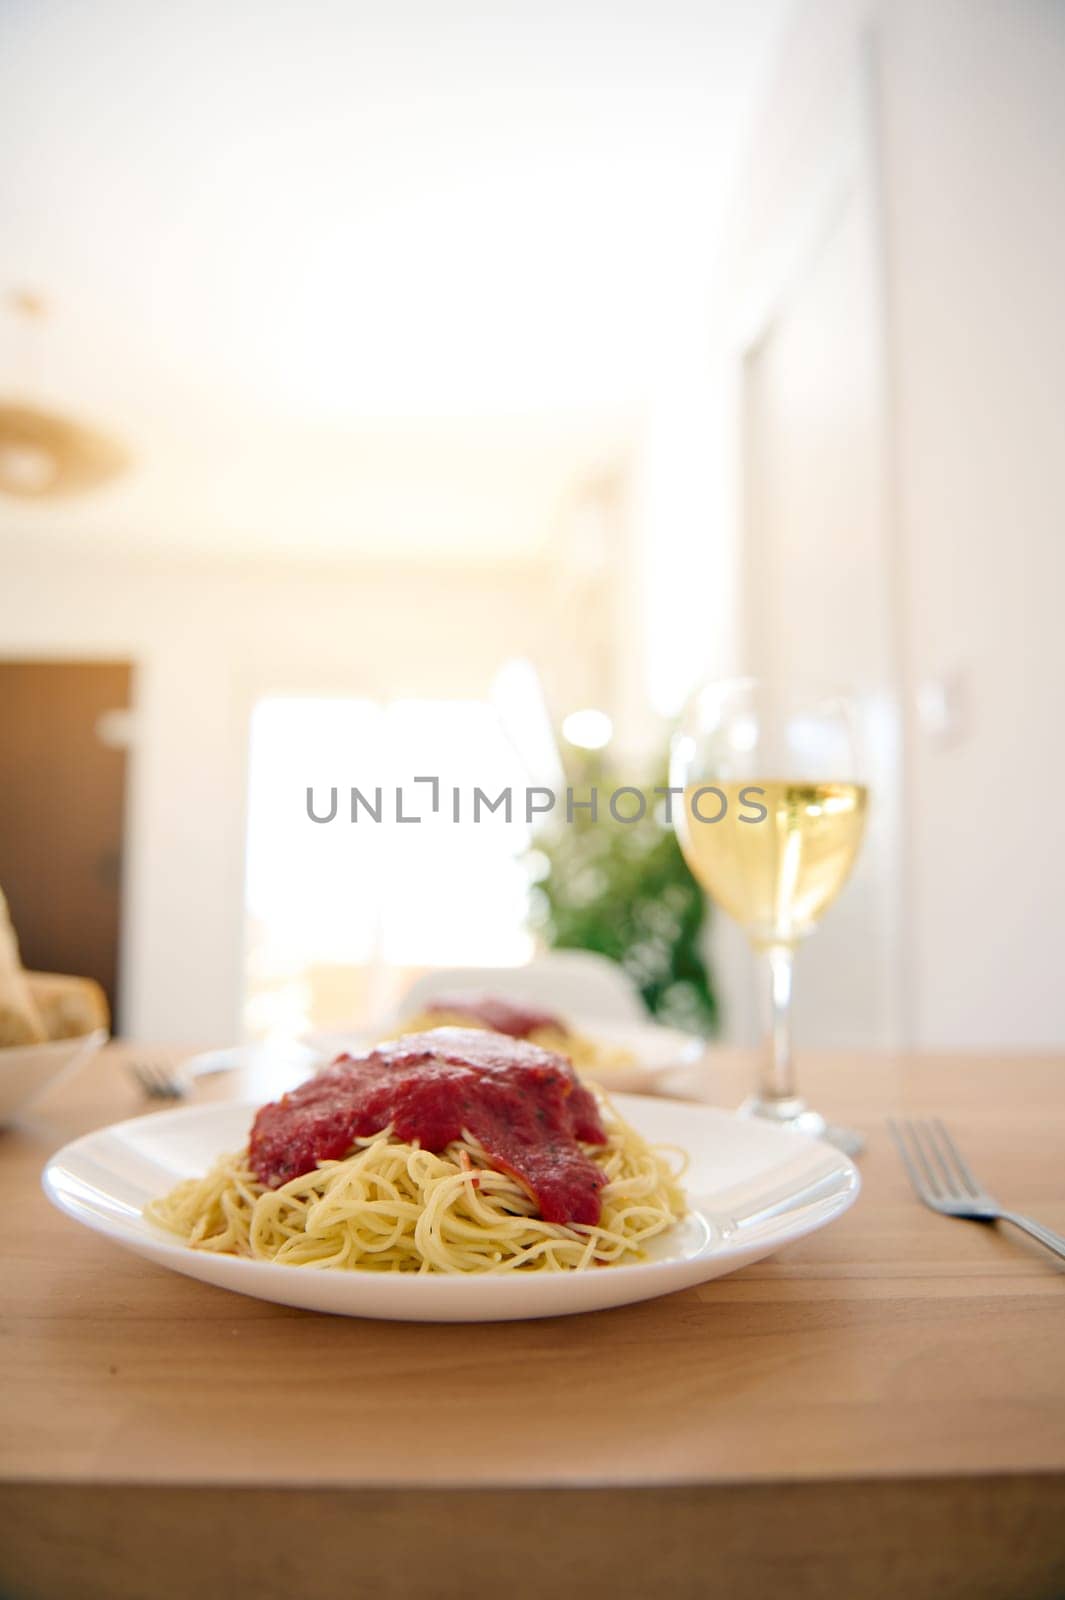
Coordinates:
(573,983)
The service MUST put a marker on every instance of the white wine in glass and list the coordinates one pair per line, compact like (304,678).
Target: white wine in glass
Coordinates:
(770,823)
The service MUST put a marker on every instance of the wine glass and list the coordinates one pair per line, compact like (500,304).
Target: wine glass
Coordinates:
(770,824)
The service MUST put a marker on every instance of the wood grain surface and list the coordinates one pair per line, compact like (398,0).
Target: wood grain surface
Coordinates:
(894,1362)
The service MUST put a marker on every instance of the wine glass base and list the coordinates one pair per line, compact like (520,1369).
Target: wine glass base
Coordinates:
(797,1117)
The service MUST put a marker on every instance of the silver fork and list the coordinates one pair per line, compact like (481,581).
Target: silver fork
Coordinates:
(942,1179)
(159,1081)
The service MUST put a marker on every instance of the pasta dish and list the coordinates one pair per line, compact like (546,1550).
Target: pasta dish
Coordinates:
(452,1150)
(466,1009)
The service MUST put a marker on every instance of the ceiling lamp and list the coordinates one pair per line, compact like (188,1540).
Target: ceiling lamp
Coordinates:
(45,455)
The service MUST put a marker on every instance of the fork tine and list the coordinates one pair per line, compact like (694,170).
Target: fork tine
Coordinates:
(967,1179)
(156,1081)
(919,1185)
(917,1143)
(949,1183)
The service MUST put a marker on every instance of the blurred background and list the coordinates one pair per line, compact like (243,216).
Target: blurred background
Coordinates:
(445,387)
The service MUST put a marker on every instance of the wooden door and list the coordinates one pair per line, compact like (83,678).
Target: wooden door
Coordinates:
(62,802)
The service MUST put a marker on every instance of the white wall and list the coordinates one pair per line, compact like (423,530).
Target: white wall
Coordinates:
(974,120)
(969,123)
(207,639)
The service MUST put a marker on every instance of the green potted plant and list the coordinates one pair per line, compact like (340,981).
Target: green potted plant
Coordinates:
(623,889)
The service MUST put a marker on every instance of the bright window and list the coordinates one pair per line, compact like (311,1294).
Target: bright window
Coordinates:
(341,915)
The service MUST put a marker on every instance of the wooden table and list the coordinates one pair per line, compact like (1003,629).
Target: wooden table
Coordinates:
(878,1411)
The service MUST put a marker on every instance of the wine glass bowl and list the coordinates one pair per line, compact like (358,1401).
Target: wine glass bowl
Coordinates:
(770,823)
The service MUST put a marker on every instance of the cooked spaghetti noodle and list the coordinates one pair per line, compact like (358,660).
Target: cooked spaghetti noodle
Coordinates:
(389,1206)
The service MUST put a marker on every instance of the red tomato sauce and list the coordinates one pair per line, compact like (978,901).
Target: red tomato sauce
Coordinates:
(525,1106)
(502,1016)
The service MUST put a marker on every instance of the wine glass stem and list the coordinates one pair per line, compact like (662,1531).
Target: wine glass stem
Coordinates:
(778,1070)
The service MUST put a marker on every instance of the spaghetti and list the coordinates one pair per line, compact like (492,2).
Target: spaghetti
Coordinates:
(389,1204)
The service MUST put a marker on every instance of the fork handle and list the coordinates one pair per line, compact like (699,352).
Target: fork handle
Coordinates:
(1053,1241)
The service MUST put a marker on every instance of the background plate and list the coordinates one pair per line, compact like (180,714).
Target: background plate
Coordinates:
(655,1051)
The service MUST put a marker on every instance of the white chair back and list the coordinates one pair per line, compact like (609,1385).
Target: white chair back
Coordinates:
(577,984)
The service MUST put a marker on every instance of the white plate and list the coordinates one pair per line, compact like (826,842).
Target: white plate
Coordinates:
(27,1070)
(291,1060)
(751,1187)
(654,1050)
